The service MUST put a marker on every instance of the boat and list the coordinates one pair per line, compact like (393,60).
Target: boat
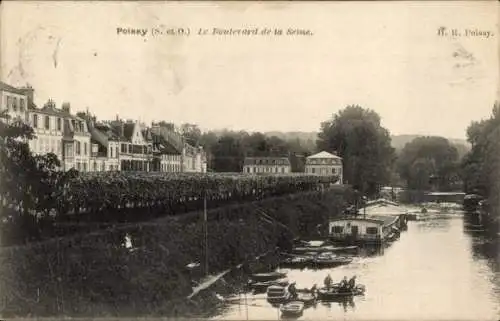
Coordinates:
(292,308)
(277,294)
(326,248)
(297,261)
(307,298)
(329,259)
(334,292)
(263,277)
(262,286)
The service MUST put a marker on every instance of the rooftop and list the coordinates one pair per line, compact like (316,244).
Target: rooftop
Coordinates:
(323,155)
(267,161)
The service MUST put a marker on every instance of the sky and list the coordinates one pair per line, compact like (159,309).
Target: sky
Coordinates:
(383,56)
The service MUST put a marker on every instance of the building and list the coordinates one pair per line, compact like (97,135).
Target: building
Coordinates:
(105,147)
(59,132)
(193,159)
(168,146)
(16,101)
(324,163)
(136,148)
(254,165)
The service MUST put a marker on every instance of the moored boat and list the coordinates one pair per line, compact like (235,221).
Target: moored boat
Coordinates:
(329,259)
(307,298)
(262,286)
(263,277)
(297,261)
(292,308)
(278,294)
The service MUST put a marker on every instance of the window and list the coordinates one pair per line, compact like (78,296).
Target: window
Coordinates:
(84,167)
(22,105)
(333,170)
(59,124)
(14,104)
(116,152)
(337,229)
(102,167)
(35,121)
(371,230)
(84,148)
(313,170)
(46,122)
(77,148)
(95,166)
(254,169)
(282,169)
(78,165)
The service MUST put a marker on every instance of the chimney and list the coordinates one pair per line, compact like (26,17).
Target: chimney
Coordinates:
(66,107)
(29,92)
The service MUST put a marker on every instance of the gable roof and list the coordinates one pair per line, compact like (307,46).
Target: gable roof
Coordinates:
(12,89)
(324,154)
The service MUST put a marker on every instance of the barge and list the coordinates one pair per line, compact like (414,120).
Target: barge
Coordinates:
(376,224)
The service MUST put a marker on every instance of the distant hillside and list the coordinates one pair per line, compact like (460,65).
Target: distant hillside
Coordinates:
(398,141)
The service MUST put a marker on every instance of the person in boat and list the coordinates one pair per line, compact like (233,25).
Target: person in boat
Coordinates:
(293,290)
(343,285)
(328,282)
(352,283)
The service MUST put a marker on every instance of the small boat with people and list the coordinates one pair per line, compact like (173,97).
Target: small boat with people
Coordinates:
(292,308)
(338,290)
(329,259)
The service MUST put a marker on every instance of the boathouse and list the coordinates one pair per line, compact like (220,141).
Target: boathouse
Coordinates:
(377,222)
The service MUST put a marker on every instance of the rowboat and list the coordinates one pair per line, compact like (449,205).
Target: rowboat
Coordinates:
(263,277)
(335,292)
(330,260)
(262,286)
(297,261)
(278,294)
(307,298)
(292,308)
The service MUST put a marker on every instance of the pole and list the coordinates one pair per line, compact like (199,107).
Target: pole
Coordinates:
(206,230)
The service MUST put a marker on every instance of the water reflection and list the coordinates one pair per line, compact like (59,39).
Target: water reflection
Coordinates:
(438,269)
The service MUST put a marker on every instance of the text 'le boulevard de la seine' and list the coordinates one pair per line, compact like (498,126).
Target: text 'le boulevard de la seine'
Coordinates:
(123,218)
(214,31)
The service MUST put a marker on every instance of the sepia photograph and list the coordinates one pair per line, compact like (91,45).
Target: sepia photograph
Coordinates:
(249,160)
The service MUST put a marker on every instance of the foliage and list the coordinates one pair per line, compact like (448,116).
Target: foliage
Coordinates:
(106,190)
(357,136)
(228,149)
(481,166)
(96,274)
(428,162)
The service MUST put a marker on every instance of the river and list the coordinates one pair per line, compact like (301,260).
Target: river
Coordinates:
(438,270)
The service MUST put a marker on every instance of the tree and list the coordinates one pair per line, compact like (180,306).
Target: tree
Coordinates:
(30,186)
(429,161)
(192,133)
(357,136)
(480,168)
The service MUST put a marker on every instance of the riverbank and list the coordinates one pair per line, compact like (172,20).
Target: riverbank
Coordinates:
(140,269)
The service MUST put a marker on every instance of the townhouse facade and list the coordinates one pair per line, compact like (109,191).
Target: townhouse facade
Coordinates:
(324,164)
(16,101)
(86,145)
(254,165)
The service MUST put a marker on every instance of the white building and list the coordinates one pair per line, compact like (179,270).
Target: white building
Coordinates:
(325,164)
(193,159)
(16,101)
(254,165)
(105,148)
(59,132)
